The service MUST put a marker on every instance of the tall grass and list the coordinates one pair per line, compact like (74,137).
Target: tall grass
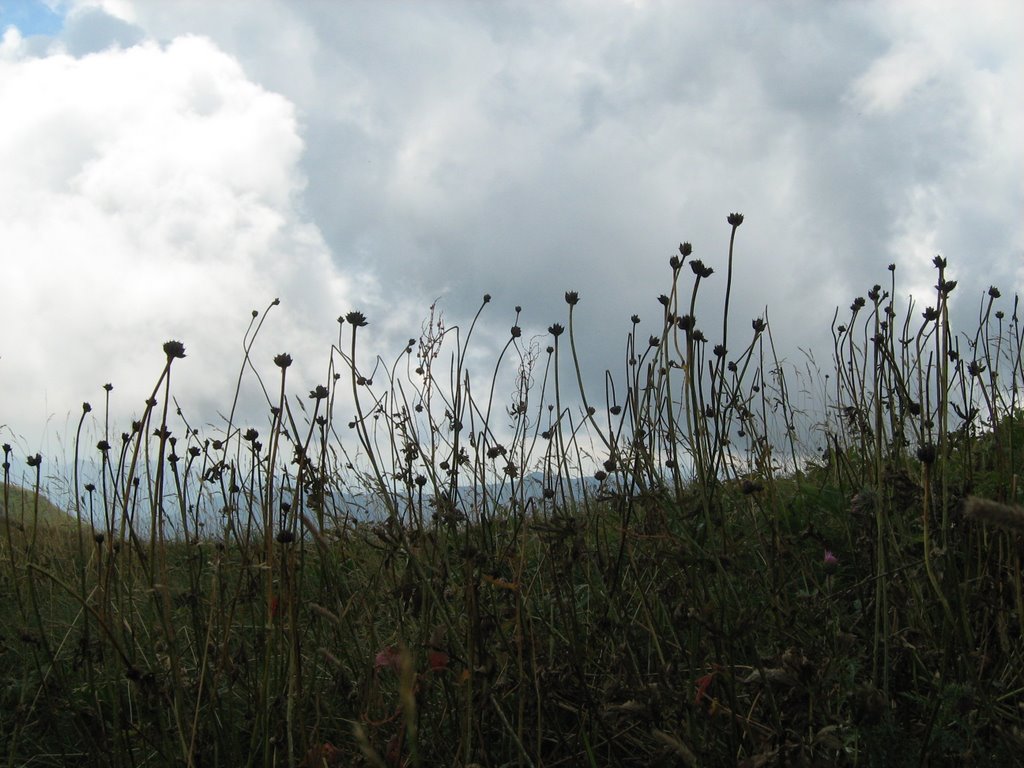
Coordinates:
(405,567)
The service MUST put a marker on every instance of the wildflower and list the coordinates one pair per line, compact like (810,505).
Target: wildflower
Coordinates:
(830,560)
(703,683)
(284,536)
(388,657)
(174,349)
(437,660)
(700,270)
(356,319)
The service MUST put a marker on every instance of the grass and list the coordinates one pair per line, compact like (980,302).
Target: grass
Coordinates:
(399,569)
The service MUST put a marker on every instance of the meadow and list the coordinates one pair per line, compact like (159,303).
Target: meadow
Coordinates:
(403,567)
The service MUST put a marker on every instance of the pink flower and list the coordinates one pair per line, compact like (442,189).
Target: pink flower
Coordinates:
(388,657)
(831,561)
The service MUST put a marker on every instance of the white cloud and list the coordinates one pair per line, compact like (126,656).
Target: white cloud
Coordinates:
(147,194)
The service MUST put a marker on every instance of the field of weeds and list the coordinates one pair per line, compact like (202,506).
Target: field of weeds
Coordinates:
(403,567)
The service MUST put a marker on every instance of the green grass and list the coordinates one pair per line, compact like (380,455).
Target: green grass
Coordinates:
(19,505)
(721,594)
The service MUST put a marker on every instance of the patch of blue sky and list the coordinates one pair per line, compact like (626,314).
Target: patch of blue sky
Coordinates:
(31,17)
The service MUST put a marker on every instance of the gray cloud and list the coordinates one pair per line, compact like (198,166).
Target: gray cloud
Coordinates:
(452,149)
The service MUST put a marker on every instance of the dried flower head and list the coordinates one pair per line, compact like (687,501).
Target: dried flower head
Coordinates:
(700,270)
(556,330)
(174,349)
(685,249)
(357,319)
(283,360)
(572,298)
(735,219)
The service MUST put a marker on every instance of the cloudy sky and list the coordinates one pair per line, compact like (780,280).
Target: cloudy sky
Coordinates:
(167,167)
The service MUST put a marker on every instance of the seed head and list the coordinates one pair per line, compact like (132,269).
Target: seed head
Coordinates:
(174,349)
(285,536)
(700,270)
(735,219)
(556,330)
(685,249)
(926,454)
(283,360)
(357,319)
(572,298)
(320,392)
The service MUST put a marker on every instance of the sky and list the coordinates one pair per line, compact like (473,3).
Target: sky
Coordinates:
(166,168)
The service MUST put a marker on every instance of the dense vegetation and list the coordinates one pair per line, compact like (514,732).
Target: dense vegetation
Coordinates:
(402,568)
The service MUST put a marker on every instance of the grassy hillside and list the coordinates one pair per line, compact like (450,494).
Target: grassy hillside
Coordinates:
(20,504)
(719,593)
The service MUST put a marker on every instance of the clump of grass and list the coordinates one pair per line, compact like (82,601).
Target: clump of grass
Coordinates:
(407,567)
